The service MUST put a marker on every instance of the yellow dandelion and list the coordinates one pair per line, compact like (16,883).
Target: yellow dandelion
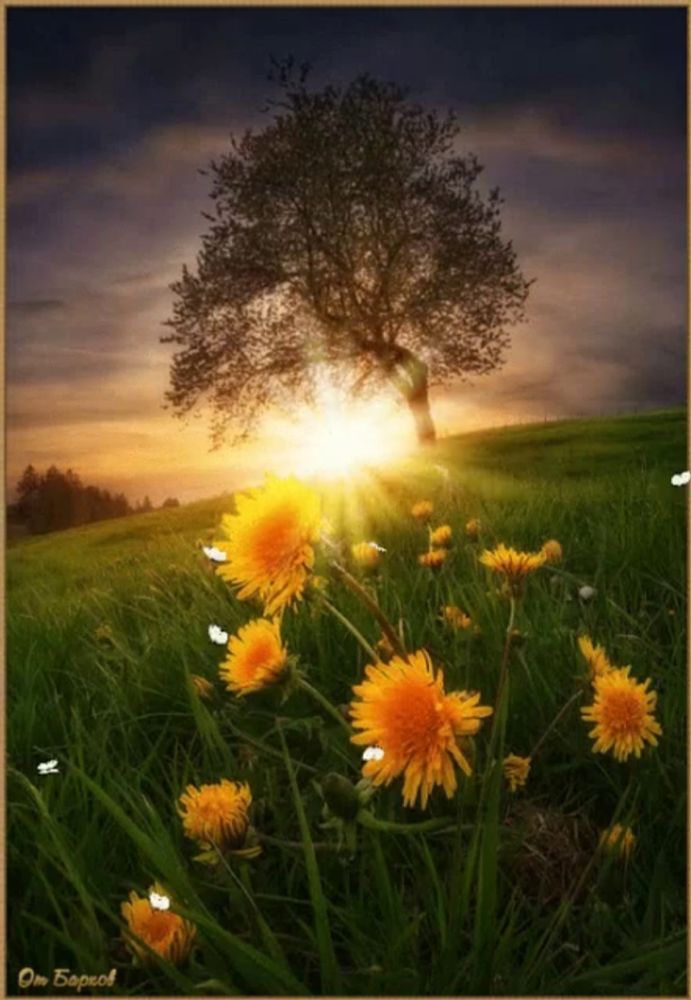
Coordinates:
(619,838)
(516,770)
(366,554)
(594,656)
(256,657)
(472,528)
(164,932)
(204,688)
(623,714)
(514,566)
(402,708)
(422,510)
(553,551)
(434,559)
(441,535)
(456,618)
(216,814)
(269,542)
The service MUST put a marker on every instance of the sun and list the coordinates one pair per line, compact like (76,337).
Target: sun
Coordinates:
(340,444)
(340,440)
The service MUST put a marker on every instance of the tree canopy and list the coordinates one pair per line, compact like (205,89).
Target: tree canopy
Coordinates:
(348,233)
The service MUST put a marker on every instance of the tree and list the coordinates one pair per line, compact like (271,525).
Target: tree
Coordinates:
(347,233)
(170,502)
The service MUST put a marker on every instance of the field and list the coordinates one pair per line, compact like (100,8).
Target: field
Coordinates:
(503,892)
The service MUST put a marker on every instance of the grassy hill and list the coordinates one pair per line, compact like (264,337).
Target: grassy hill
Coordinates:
(106,623)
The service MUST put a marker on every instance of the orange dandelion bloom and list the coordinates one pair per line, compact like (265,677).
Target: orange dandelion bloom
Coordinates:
(514,566)
(269,542)
(434,559)
(441,535)
(619,838)
(366,554)
(456,618)
(256,657)
(216,814)
(164,932)
(516,771)
(553,551)
(204,688)
(622,713)
(594,656)
(402,708)
(422,510)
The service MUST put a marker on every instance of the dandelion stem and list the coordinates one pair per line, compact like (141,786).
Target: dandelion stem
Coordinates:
(294,845)
(372,606)
(263,748)
(553,723)
(351,628)
(325,703)
(366,819)
(503,670)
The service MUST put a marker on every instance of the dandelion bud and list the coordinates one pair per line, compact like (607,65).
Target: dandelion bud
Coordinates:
(340,796)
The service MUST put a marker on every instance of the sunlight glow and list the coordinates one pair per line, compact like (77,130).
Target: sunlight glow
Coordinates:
(340,441)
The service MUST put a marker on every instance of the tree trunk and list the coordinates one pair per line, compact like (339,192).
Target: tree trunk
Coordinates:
(409,374)
(418,401)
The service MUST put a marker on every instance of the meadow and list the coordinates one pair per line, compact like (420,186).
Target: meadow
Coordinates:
(487,893)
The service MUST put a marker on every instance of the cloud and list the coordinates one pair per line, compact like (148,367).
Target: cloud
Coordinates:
(32,307)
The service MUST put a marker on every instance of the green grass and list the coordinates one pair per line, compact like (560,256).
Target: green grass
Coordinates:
(517,904)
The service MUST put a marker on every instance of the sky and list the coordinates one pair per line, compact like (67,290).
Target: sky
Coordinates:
(577,114)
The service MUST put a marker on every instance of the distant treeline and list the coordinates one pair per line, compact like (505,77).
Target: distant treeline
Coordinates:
(55,500)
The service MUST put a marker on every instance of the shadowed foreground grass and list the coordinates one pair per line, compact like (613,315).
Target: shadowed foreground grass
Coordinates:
(106,623)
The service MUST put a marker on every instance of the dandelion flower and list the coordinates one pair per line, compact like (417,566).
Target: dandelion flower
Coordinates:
(623,714)
(553,551)
(164,932)
(270,540)
(366,554)
(619,838)
(402,708)
(422,510)
(441,535)
(256,657)
(586,593)
(516,770)
(514,566)
(594,656)
(202,686)
(472,529)
(456,618)
(216,814)
(434,559)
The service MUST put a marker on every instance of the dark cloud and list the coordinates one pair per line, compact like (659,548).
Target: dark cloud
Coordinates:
(33,307)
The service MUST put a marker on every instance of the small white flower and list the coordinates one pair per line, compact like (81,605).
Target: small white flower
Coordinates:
(216,555)
(676,480)
(585,593)
(374,545)
(373,753)
(685,477)
(48,767)
(159,902)
(443,471)
(217,635)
